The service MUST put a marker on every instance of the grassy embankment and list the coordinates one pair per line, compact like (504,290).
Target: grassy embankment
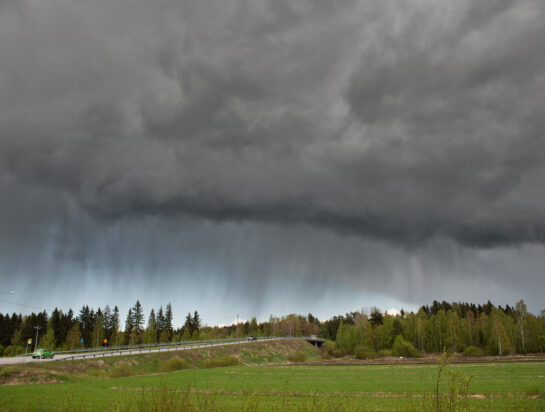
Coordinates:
(256,353)
(260,386)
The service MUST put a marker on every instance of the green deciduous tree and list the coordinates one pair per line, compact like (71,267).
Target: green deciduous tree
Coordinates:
(150,336)
(48,340)
(521,313)
(73,338)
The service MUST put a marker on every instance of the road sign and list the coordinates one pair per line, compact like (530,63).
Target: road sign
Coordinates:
(28,342)
(81,340)
(105,341)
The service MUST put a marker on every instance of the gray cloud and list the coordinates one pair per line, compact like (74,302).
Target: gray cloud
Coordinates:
(401,121)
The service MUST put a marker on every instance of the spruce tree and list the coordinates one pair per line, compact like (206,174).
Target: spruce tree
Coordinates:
(168,321)
(68,322)
(160,321)
(188,325)
(115,321)
(196,322)
(85,320)
(138,321)
(129,326)
(55,323)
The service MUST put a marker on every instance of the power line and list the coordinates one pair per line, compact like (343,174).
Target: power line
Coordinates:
(21,304)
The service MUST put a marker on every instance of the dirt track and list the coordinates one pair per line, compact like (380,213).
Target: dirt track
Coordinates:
(428,360)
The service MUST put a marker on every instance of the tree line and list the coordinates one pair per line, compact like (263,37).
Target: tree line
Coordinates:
(90,328)
(474,330)
(457,327)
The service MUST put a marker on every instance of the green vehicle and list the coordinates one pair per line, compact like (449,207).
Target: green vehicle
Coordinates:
(42,354)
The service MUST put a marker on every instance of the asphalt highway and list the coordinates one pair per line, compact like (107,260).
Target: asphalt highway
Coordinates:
(123,352)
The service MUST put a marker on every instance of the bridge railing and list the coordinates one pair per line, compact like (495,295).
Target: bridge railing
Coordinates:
(129,350)
(174,347)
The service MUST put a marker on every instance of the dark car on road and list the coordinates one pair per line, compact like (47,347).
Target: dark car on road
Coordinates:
(252,338)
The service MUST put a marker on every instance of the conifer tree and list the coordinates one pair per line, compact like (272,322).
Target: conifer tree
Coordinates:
(85,320)
(138,314)
(196,322)
(129,327)
(115,321)
(56,324)
(168,321)
(160,321)
(377,317)
(188,325)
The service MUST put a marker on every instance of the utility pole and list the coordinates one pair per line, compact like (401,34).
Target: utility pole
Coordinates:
(37,330)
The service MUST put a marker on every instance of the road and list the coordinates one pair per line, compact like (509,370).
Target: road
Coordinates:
(93,355)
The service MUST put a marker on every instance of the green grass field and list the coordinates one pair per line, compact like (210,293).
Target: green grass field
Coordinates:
(494,387)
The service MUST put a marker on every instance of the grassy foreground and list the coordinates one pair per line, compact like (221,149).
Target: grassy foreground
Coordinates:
(260,386)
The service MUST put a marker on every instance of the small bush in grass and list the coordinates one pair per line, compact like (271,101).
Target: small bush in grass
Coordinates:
(364,352)
(122,369)
(403,348)
(174,364)
(473,351)
(98,373)
(298,356)
(384,353)
(221,361)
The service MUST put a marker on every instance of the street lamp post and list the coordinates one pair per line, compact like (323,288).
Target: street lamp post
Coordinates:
(37,330)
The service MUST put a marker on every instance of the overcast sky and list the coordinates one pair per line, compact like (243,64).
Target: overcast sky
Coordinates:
(271,156)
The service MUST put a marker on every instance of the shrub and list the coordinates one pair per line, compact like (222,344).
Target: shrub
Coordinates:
(122,369)
(332,349)
(384,353)
(98,373)
(174,364)
(364,352)
(403,348)
(329,346)
(221,361)
(13,350)
(298,356)
(473,351)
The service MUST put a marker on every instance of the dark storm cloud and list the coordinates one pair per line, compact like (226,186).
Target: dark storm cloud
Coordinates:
(398,120)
